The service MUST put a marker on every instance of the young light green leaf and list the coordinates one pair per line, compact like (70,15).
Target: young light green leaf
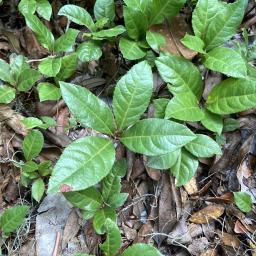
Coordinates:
(108,33)
(44,9)
(230,125)
(154,137)
(184,106)
(100,218)
(27,79)
(66,41)
(7,94)
(50,67)
(87,108)
(113,242)
(48,91)
(132,95)
(17,64)
(12,218)
(83,163)
(5,74)
(160,107)
(212,122)
(89,51)
(226,61)
(89,199)
(141,249)
(27,6)
(104,9)
(155,40)
(38,189)
(68,66)
(163,162)
(31,122)
(78,15)
(203,146)
(184,168)
(32,144)
(194,43)
(182,74)
(243,201)
(131,50)
(43,34)
(30,167)
(45,168)
(232,96)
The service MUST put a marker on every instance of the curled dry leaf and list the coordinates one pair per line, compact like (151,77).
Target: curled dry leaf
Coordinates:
(211,212)
(229,240)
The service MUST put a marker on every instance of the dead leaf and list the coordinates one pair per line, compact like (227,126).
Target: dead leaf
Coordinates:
(225,198)
(211,212)
(191,186)
(209,252)
(228,239)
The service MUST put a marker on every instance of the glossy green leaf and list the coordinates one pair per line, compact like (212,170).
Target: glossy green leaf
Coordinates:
(7,94)
(184,168)
(232,96)
(50,67)
(132,95)
(163,162)
(194,43)
(66,41)
(155,40)
(184,106)
(230,125)
(17,64)
(108,33)
(44,9)
(104,9)
(38,189)
(160,107)
(45,168)
(48,91)
(100,218)
(31,122)
(43,34)
(181,73)
(27,79)
(12,218)
(5,74)
(89,51)
(30,167)
(83,164)
(141,249)
(68,66)
(32,144)
(203,146)
(113,241)
(154,137)
(243,201)
(226,61)
(131,50)
(212,122)
(78,15)
(144,6)
(27,6)
(87,108)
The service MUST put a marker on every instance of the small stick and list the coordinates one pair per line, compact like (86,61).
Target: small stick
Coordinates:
(57,244)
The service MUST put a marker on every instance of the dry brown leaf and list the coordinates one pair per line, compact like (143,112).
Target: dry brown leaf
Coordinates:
(225,198)
(228,239)
(211,212)
(191,186)
(210,252)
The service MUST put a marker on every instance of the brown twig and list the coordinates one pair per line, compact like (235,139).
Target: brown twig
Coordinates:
(57,244)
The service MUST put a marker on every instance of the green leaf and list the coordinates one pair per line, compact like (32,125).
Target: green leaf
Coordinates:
(32,144)
(17,64)
(113,242)
(184,168)
(104,9)
(226,61)
(43,34)
(136,23)
(144,6)
(212,122)
(27,79)
(89,199)
(160,107)
(87,108)
(194,43)
(38,189)
(243,201)
(7,94)
(162,9)
(181,73)
(232,96)
(27,6)
(12,218)
(89,51)
(131,50)
(230,125)
(44,9)
(30,167)
(45,168)
(184,106)
(108,33)
(48,91)
(225,23)
(50,67)
(141,249)
(100,218)
(66,41)
(154,136)
(155,40)
(48,120)
(68,66)
(31,122)
(203,146)
(132,95)
(5,74)
(163,162)
(78,15)
(83,164)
